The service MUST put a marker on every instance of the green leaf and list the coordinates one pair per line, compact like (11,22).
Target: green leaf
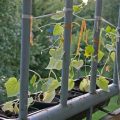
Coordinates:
(100,55)
(84,85)
(54,64)
(48,96)
(112,55)
(71,72)
(12,87)
(44,87)
(33,80)
(8,106)
(108,29)
(102,83)
(57,53)
(109,47)
(77,64)
(76,8)
(71,84)
(58,16)
(58,30)
(89,50)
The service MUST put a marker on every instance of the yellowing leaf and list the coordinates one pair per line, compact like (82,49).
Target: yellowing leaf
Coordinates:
(102,83)
(109,47)
(30,101)
(16,109)
(70,84)
(12,87)
(58,30)
(57,53)
(50,85)
(89,50)
(107,68)
(100,55)
(54,85)
(112,55)
(48,96)
(54,64)
(77,64)
(84,85)
(8,106)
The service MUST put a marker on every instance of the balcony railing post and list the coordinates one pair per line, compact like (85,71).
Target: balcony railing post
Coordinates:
(24,63)
(94,63)
(66,56)
(115,74)
(98,10)
(118,47)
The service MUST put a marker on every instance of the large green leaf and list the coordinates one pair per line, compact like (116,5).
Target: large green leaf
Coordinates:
(48,96)
(89,50)
(100,55)
(12,87)
(102,83)
(54,64)
(58,30)
(58,16)
(84,85)
(57,53)
(77,64)
(71,84)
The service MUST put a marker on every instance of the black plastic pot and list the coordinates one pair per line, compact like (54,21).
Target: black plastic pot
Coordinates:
(36,106)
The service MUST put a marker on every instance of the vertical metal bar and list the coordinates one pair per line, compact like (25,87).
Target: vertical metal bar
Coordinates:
(66,56)
(115,74)
(94,63)
(98,10)
(24,64)
(118,47)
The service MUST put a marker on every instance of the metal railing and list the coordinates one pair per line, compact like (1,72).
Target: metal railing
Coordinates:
(76,105)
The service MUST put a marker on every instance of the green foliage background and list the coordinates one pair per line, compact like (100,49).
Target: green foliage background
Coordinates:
(10,31)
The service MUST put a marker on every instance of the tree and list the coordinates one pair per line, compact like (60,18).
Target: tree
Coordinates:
(110,10)
(9,37)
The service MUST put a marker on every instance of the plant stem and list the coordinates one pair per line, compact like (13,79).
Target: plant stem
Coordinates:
(54,74)
(35,73)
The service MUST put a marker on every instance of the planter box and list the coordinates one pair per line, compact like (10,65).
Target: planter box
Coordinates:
(37,106)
